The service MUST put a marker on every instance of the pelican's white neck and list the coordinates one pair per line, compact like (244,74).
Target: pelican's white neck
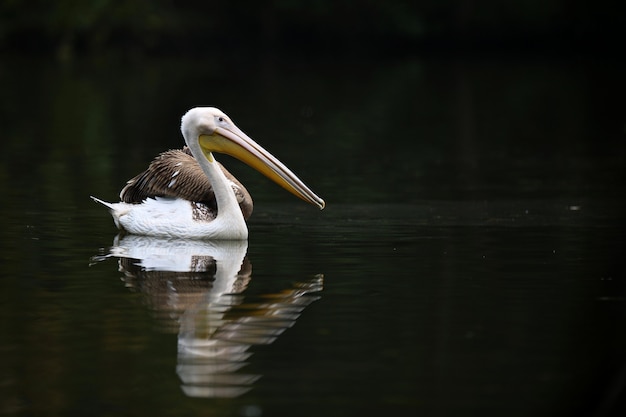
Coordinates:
(229,216)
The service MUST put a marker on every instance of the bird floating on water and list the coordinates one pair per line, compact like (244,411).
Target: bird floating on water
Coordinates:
(188,194)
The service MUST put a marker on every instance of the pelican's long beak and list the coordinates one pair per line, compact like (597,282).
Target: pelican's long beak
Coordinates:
(234,142)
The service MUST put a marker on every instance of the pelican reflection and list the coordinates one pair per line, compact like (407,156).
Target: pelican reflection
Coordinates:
(196,288)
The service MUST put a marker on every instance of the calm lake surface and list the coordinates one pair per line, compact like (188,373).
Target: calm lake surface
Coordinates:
(469,261)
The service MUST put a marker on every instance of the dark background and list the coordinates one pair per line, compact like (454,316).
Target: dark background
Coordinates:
(365,27)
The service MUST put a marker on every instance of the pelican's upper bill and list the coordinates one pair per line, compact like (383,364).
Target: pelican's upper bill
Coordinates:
(187,193)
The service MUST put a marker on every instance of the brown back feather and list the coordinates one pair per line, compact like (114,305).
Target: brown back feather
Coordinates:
(176,173)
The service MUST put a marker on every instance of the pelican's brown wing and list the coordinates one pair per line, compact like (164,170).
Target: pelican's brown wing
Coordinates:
(176,173)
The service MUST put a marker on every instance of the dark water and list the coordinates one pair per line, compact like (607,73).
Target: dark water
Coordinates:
(469,260)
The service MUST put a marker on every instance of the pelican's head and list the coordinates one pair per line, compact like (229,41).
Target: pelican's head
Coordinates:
(213,131)
(202,121)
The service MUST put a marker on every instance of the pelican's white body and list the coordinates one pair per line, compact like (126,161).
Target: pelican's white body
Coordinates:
(174,217)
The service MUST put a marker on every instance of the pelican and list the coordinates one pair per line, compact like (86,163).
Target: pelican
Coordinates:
(188,194)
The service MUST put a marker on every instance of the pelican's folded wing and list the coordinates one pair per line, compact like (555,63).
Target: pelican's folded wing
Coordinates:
(175,173)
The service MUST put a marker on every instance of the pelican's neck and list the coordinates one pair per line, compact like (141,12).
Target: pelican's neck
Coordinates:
(224,194)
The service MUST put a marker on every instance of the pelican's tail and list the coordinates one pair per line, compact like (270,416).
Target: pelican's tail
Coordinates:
(104,203)
(117,210)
